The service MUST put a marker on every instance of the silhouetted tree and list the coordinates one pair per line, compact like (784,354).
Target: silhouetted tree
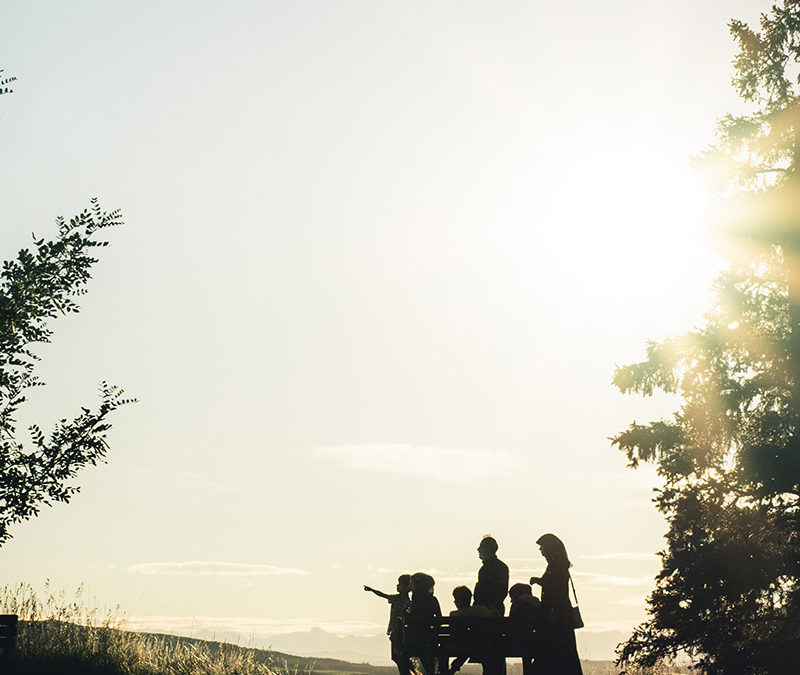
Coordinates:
(729,459)
(37,286)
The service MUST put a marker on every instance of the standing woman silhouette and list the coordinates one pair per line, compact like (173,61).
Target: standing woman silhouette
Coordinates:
(559,653)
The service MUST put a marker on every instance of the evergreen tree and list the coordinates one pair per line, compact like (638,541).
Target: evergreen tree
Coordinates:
(728,591)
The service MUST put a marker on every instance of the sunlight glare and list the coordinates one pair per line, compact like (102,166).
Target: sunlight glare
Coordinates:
(630,227)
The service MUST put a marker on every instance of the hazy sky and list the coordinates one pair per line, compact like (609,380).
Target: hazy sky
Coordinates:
(379,262)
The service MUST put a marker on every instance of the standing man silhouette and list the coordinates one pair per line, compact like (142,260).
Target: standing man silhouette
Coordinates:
(490,591)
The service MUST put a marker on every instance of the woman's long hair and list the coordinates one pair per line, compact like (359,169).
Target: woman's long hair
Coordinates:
(554,549)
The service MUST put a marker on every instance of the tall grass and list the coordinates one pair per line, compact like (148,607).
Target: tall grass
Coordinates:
(61,635)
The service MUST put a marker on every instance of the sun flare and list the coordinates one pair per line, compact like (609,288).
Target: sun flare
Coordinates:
(630,225)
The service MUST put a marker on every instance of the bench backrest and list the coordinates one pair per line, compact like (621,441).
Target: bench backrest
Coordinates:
(469,636)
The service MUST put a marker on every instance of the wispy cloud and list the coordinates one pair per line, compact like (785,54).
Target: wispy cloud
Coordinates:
(468,577)
(442,463)
(439,576)
(644,479)
(256,626)
(641,555)
(213,568)
(523,573)
(631,601)
(194,479)
(613,580)
(442,576)
(378,571)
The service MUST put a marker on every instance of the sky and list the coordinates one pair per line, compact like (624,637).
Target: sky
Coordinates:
(379,262)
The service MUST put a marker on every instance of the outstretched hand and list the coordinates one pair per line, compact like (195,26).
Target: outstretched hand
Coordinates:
(367,588)
(536,580)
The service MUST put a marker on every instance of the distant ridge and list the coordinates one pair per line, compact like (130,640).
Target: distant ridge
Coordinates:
(330,666)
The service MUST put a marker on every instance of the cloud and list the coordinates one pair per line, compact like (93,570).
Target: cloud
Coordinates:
(194,479)
(644,479)
(256,626)
(631,601)
(612,580)
(440,576)
(608,627)
(457,578)
(524,573)
(378,571)
(442,463)
(622,556)
(221,569)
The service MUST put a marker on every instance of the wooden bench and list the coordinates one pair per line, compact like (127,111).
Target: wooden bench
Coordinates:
(8,633)
(478,638)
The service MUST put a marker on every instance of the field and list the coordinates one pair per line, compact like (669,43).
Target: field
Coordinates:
(57,635)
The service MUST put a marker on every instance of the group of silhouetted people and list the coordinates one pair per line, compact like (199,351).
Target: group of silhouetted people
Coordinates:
(552,615)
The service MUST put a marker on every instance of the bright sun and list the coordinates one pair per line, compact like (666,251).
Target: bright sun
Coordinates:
(630,226)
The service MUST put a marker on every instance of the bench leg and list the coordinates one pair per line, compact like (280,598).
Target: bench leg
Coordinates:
(494,665)
(527,666)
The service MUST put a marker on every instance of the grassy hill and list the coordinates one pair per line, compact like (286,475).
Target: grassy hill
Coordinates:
(282,663)
(59,636)
(51,646)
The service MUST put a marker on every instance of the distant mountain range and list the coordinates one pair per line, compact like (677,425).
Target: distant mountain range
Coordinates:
(375,649)
(315,643)
(319,664)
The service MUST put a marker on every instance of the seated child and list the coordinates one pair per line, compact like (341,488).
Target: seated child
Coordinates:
(525,606)
(462,597)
